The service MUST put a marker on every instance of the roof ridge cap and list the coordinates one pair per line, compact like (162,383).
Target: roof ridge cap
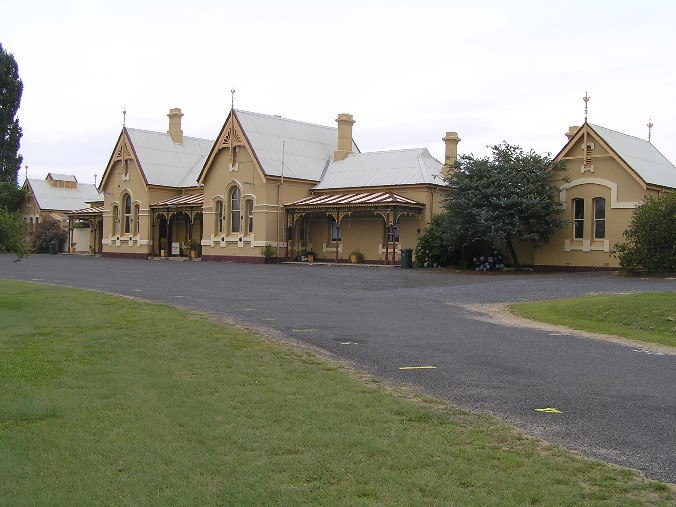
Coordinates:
(278,117)
(167,134)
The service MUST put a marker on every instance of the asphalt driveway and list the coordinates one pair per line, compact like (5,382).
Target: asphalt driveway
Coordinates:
(615,401)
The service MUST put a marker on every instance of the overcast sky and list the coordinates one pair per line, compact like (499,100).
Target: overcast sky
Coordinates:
(407,71)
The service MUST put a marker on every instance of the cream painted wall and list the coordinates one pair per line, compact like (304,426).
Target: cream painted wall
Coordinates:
(268,196)
(116,185)
(608,179)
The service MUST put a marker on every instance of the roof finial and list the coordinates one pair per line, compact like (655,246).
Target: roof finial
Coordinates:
(26,171)
(232,100)
(586,100)
(94,179)
(124,116)
(650,126)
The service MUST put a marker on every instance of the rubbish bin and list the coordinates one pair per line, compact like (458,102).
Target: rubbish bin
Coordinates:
(53,247)
(406,258)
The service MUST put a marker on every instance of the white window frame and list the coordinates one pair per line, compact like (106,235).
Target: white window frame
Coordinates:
(235,210)
(599,220)
(578,220)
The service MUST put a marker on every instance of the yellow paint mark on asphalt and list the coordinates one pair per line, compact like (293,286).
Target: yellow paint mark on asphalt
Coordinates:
(418,368)
(549,410)
(348,343)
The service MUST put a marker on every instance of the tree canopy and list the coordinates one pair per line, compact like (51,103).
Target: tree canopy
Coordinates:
(11,89)
(11,221)
(511,195)
(650,245)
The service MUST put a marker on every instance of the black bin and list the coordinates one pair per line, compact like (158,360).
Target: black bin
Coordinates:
(53,247)
(406,258)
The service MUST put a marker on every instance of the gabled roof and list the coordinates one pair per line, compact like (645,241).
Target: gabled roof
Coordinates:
(49,197)
(62,177)
(641,156)
(166,163)
(382,169)
(305,148)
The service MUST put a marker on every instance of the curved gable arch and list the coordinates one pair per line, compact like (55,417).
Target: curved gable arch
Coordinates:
(614,203)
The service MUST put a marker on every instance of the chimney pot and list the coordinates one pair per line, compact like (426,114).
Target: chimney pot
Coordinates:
(571,131)
(175,131)
(344,148)
(451,141)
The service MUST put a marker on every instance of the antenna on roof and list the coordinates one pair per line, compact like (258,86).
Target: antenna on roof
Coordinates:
(124,116)
(586,100)
(232,100)
(650,127)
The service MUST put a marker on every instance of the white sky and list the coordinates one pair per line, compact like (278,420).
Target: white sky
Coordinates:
(407,71)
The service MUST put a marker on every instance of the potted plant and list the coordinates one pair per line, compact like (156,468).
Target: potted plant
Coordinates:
(72,247)
(356,257)
(194,247)
(163,247)
(268,252)
(310,255)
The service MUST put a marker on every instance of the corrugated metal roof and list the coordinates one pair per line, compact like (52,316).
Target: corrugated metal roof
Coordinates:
(62,177)
(167,163)
(307,148)
(641,156)
(60,198)
(185,200)
(369,198)
(383,168)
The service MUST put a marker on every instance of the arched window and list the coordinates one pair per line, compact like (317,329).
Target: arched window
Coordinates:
(578,218)
(127,214)
(235,210)
(599,218)
(249,216)
(116,219)
(137,218)
(219,217)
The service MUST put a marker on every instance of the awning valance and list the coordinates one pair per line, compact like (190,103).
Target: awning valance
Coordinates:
(366,201)
(189,200)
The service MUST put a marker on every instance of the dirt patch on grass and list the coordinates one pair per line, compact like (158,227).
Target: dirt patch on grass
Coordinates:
(499,313)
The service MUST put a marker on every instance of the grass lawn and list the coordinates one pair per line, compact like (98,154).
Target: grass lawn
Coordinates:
(109,401)
(649,317)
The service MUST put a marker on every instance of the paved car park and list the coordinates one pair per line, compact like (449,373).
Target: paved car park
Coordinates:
(613,401)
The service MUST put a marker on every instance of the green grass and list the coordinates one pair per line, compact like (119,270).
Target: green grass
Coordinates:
(648,317)
(109,401)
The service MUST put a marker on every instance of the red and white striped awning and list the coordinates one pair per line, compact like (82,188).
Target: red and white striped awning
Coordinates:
(181,200)
(93,210)
(355,200)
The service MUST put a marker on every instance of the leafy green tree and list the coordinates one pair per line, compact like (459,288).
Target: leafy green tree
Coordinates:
(444,244)
(11,89)
(650,245)
(509,196)
(12,233)
(10,196)
(46,232)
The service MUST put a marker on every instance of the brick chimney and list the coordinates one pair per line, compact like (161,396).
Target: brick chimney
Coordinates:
(175,131)
(344,148)
(451,141)
(571,131)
